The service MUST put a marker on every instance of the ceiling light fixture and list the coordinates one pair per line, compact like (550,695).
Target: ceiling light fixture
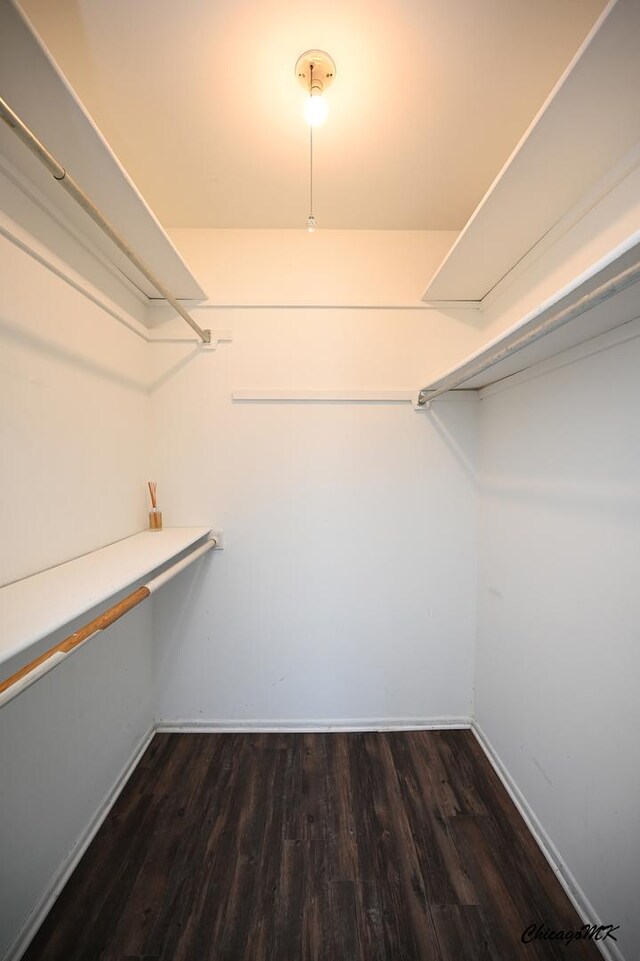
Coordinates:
(315,70)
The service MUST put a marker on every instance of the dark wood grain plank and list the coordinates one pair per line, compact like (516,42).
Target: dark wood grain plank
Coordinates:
(341,825)
(464,933)
(306,816)
(445,877)
(385,846)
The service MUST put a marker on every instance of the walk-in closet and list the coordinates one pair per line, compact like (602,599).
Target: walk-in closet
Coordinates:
(319,480)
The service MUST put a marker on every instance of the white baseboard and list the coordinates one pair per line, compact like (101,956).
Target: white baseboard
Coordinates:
(575,893)
(306,725)
(30,927)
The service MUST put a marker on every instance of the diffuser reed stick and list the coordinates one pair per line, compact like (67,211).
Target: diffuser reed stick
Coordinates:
(155,515)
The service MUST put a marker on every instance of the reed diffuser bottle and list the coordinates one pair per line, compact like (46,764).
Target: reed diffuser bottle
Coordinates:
(155,515)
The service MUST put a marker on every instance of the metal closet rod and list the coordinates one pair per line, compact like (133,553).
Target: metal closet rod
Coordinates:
(31,672)
(66,180)
(630,275)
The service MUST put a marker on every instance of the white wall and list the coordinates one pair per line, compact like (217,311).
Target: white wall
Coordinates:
(347,589)
(74,420)
(558,655)
(324,267)
(64,744)
(74,425)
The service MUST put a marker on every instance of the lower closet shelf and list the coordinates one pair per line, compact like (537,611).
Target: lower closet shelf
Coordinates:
(34,607)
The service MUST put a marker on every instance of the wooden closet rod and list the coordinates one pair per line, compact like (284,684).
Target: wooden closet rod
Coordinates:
(27,675)
(66,180)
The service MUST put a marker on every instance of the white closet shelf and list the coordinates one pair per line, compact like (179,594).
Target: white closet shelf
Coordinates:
(37,90)
(603,302)
(35,607)
(588,129)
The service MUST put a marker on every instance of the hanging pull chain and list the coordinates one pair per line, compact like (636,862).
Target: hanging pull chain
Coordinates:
(311,220)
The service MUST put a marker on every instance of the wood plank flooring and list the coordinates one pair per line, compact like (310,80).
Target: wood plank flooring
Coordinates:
(311,847)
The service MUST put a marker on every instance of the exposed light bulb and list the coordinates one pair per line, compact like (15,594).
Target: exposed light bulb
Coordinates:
(311,223)
(315,109)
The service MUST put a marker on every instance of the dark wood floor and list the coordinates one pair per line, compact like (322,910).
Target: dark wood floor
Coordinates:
(301,847)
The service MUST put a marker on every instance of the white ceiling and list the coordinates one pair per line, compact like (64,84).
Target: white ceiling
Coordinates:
(199,101)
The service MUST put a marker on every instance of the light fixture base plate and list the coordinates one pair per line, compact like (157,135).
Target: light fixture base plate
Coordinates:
(324,69)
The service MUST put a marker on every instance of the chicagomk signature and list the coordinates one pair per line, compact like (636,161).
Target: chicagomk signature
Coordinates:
(588,932)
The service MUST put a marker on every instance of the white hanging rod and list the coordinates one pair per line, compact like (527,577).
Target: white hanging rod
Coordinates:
(31,672)
(533,332)
(66,180)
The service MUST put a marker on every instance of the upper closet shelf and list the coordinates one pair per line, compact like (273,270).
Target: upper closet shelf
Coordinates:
(37,91)
(589,124)
(608,299)
(34,607)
